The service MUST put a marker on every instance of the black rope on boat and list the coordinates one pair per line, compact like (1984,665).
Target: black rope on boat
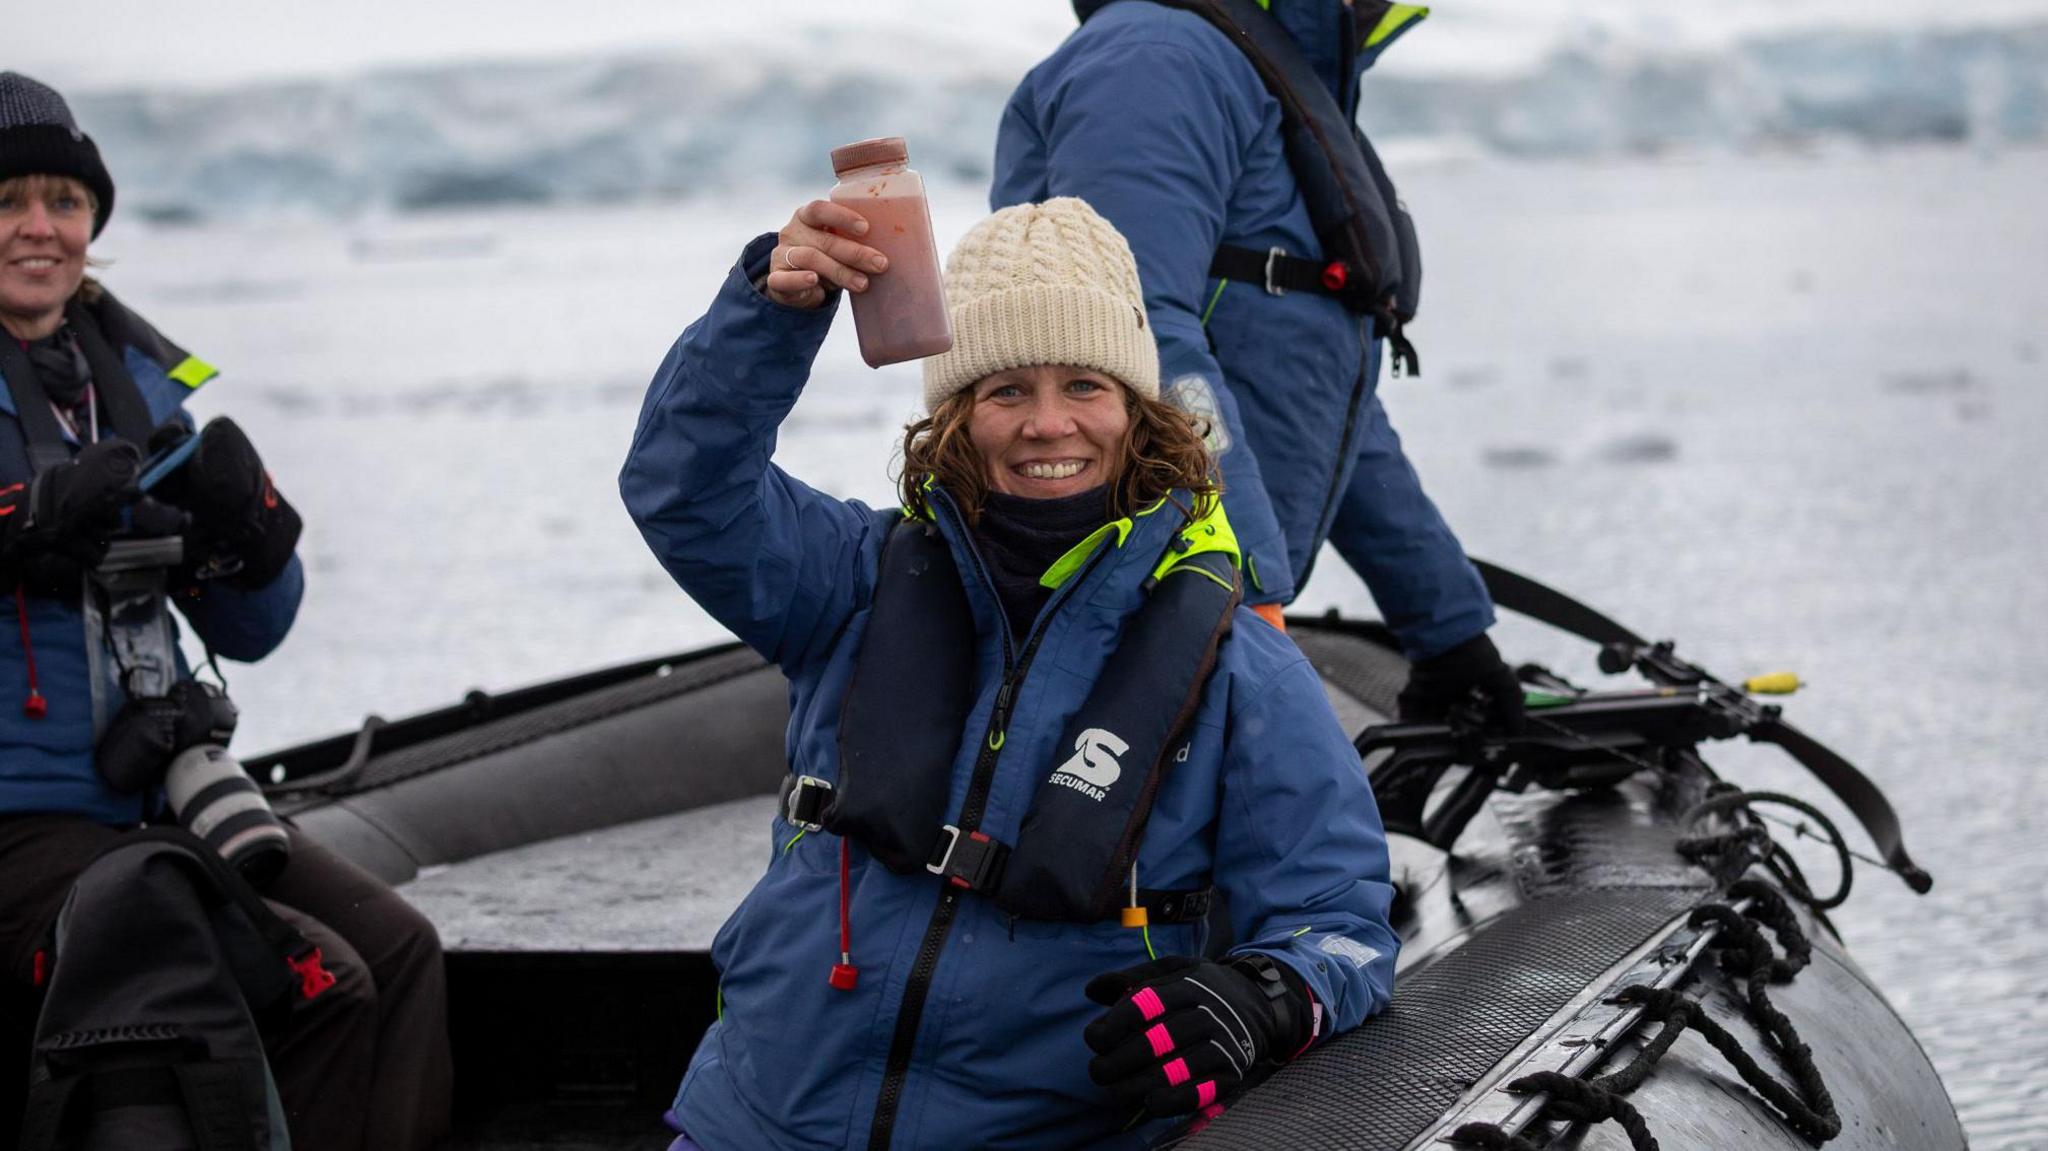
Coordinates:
(1746,954)
(1571,1099)
(1578,1100)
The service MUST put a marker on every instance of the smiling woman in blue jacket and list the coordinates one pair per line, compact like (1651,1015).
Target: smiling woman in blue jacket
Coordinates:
(86,669)
(1032,731)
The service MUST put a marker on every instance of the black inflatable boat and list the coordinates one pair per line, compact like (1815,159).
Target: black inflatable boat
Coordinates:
(1602,944)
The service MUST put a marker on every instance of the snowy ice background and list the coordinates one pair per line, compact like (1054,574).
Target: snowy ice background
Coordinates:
(1733,327)
(704,116)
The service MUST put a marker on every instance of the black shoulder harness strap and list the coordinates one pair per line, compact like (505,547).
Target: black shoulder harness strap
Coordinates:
(913,685)
(39,428)
(906,710)
(127,412)
(1370,258)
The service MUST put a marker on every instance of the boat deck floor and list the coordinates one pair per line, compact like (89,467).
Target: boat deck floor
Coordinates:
(657,885)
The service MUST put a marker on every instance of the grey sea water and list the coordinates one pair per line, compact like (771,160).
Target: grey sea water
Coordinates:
(1787,410)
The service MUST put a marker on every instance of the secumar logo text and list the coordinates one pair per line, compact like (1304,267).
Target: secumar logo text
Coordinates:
(1093,766)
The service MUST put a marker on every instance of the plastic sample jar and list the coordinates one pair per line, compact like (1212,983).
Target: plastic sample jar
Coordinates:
(902,315)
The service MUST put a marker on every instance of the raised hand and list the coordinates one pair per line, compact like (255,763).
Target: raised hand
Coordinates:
(815,249)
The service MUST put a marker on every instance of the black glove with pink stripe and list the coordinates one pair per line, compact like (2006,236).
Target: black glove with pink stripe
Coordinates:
(1183,1034)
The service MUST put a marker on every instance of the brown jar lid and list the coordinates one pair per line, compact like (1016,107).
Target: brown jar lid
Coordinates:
(868,153)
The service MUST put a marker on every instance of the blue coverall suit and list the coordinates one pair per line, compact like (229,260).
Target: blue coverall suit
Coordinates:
(1157,120)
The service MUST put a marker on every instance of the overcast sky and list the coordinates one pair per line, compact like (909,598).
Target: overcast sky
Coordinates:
(117,43)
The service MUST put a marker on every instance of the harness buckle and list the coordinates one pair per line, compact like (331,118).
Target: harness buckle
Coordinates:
(1273,257)
(804,800)
(1178,906)
(971,862)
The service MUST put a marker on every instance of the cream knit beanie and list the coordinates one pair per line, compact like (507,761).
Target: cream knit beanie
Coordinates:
(1050,283)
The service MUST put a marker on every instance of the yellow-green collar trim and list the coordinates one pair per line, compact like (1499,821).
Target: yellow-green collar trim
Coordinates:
(1397,18)
(927,485)
(1211,532)
(193,372)
(1063,568)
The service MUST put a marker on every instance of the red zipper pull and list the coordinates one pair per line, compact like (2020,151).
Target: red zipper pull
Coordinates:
(34,705)
(844,973)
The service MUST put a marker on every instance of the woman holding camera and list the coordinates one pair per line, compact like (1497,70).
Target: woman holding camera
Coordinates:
(1032,731)
(88,728)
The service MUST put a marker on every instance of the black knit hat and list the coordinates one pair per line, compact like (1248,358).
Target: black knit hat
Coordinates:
(38,137)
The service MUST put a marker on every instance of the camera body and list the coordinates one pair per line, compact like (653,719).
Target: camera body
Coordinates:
(172,730)
(181,738)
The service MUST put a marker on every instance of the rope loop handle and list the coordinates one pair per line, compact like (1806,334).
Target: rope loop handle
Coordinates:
(1746,954)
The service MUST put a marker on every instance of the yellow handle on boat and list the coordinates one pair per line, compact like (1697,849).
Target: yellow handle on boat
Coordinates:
(1776,683)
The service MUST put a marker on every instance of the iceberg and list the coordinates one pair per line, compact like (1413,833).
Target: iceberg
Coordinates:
(717,119)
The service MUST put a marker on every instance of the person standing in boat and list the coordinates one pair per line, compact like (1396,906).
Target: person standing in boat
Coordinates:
(1156,115)
(1032,730)
(364,1062)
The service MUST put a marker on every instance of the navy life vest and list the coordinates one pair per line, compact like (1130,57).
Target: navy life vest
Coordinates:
(1370,258)
(907,707)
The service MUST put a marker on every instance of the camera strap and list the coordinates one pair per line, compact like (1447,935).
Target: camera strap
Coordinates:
(127,412)
(40,428)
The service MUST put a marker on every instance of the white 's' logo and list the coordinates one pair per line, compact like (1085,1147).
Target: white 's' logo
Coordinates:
(1093,766)
(1095,752)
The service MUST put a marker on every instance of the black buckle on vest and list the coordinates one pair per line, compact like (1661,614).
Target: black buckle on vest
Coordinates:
(1280,273)
(971,862)
(1176,906)
(804,800)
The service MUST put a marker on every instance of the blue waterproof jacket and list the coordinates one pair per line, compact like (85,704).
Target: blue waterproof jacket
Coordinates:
(46,765)
(1155,118)
(1271,805)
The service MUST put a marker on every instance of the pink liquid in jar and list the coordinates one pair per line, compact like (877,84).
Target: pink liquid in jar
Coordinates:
(902,315)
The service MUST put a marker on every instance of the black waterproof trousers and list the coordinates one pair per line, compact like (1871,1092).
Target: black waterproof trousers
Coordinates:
(362,1067)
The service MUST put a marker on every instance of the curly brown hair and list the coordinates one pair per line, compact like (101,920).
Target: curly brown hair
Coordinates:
(1163,448)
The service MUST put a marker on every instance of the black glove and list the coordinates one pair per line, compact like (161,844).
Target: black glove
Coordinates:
(242,529)
(1471,673)
(1182,1033)
(63,521)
